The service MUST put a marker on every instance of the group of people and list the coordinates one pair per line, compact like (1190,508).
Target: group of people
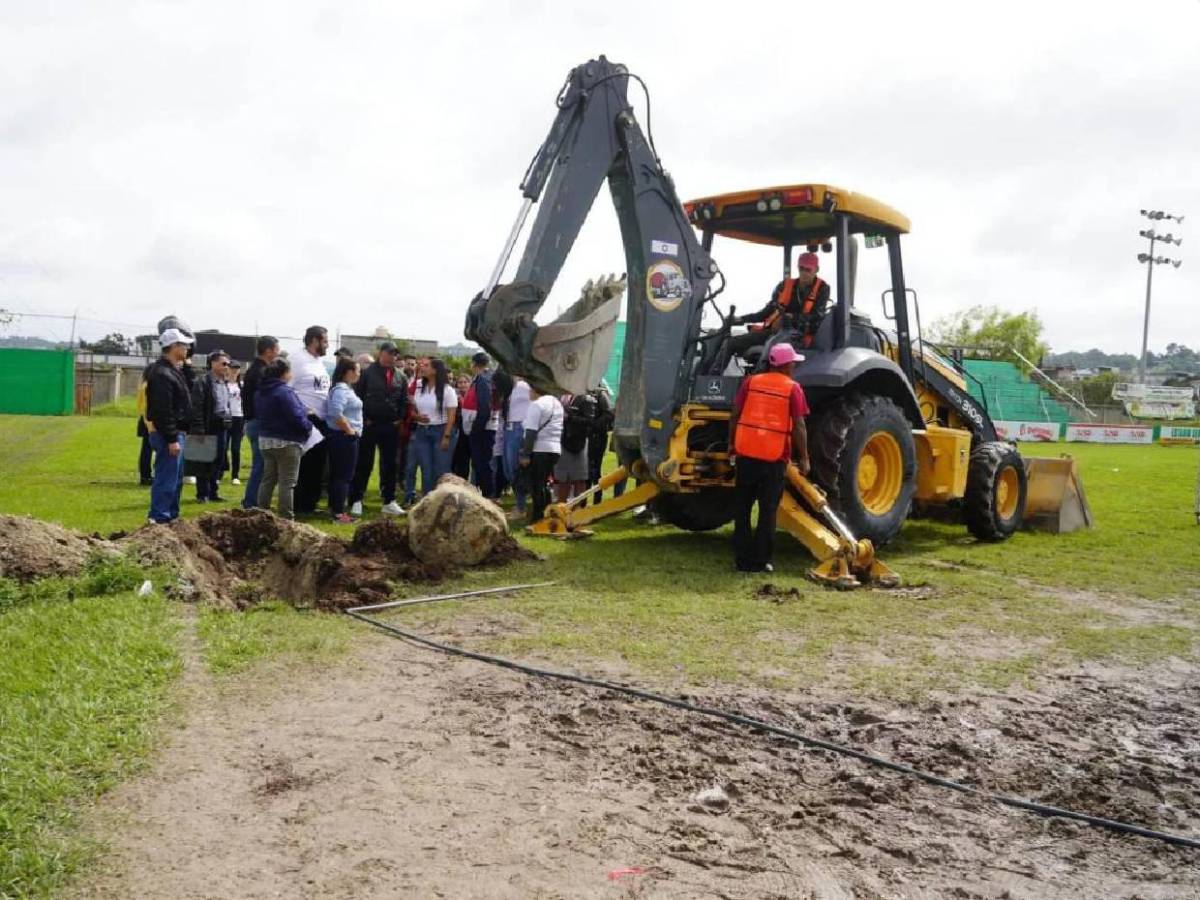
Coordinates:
(313,432)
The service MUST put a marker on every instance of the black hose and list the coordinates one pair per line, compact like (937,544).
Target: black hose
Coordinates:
(748,722)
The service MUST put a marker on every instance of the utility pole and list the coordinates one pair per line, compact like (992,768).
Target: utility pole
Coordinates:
(1155,215)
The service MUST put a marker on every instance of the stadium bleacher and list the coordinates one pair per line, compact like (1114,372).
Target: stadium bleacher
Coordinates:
(1009,395)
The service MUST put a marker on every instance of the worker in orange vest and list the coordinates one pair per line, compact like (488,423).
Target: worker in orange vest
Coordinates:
(800,303)
(766,430)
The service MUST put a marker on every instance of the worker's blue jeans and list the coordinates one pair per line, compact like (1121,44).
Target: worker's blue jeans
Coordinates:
(168,480)
(250,498)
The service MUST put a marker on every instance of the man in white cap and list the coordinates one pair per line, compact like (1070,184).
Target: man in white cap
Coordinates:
(168,411)
(766,430)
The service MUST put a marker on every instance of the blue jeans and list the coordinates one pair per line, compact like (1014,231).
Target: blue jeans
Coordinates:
(343,458)
(168,480)
(250,498)
(426,453)
(513,436)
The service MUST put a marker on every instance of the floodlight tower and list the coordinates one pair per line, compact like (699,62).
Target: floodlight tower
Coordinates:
(1154,215)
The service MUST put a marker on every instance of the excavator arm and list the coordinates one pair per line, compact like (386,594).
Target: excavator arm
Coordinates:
(595,137)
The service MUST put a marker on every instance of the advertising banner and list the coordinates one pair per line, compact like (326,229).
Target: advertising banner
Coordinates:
(1029,431)
(1111,434)
(1180,434)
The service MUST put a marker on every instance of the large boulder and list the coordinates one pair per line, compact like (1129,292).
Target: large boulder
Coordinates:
(455,526)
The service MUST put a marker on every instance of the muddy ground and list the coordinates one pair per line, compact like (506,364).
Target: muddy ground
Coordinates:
(409,773)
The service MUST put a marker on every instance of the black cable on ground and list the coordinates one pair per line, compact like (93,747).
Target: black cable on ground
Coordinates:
(748,722)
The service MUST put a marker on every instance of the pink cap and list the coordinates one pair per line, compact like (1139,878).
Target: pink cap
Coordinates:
(808,261)
(782,354)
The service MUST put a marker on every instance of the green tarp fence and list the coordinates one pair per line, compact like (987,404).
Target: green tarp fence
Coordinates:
(37,382)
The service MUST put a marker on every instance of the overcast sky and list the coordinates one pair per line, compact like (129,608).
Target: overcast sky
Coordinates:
(258,166)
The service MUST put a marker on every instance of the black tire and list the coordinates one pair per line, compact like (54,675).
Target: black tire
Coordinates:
(702,511)
(837,436)
(988,486)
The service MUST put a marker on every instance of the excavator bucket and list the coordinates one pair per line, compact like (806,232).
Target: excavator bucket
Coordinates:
(577,345)
(1055,500)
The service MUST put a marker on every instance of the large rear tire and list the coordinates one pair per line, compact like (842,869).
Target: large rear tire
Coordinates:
(702,511)
(864,456)
(994,504)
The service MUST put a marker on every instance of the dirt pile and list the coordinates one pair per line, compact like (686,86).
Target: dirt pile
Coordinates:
(236,558)
(31,548)
(239,557)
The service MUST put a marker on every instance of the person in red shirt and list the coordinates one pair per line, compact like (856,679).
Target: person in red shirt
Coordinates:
(766,430)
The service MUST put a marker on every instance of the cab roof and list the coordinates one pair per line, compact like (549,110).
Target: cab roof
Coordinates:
(792,214)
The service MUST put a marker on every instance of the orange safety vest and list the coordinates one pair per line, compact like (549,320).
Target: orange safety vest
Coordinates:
(764,426)
(785,300)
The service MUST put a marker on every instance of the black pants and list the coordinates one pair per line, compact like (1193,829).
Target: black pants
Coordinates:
(762,483)
(740,343)
(208,479)
(236,430)
(541,466)
(481,461)
(344,450)
(460,462)
(145,459)
(597,447)
(381,435)
(310,481)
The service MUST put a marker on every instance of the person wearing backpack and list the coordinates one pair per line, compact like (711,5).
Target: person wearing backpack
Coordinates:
(571,470)
(598,437)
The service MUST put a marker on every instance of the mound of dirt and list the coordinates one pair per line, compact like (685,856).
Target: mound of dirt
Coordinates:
(31,548)
(236,558)
(455,525)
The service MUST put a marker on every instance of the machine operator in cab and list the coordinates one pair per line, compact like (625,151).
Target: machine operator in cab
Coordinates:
(766,431)
(799,303)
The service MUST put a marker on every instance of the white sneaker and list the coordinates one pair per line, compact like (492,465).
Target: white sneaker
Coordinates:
(236,481)
(392,509)
(356,508)
(189,479)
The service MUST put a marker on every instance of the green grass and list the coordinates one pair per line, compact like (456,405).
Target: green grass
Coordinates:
(663,601)
(271,633)
(121,408)
(85,672)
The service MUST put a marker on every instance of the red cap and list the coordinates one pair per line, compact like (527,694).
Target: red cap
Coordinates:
(808,261)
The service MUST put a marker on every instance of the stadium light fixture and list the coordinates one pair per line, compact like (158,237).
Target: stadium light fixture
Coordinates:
(1150,261)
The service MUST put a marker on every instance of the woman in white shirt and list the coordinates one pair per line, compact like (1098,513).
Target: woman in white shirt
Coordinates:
(433,438)
(540,447)
(233,375)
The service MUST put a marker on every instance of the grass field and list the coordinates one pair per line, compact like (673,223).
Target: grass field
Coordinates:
(85,669)
(83,681)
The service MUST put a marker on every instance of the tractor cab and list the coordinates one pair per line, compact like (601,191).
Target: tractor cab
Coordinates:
(819,219)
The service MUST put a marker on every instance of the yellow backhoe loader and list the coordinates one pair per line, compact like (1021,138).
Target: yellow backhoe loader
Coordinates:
(892,422)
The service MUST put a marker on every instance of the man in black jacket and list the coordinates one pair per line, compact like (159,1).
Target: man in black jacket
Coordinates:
(481,440)
(168,411)
(384,392)
(268,349)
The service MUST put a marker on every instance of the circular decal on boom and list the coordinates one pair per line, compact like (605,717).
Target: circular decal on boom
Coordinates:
(666,286)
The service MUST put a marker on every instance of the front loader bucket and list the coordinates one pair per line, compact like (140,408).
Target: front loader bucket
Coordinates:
(1055,500)
(576,346)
